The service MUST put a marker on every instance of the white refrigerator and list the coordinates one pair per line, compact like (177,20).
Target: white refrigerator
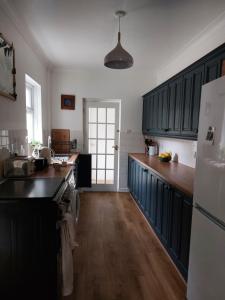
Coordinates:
(206,279)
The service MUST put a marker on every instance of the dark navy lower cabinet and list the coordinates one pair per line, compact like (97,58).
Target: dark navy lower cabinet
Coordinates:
(168,211)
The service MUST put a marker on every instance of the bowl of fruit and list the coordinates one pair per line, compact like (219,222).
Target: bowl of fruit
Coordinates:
(165,156)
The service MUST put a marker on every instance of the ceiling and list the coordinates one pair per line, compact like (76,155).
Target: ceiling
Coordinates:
(75,33)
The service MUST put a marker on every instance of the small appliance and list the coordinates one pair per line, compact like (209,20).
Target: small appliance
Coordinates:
(18,167)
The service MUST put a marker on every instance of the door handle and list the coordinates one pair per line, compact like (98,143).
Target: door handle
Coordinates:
(116,147)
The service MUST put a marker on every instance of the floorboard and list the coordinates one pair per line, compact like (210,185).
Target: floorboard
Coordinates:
(119,257)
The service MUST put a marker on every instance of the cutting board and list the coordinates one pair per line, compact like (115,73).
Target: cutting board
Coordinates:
(61,140)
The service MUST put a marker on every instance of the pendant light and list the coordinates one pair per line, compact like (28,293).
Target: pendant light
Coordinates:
(118,58)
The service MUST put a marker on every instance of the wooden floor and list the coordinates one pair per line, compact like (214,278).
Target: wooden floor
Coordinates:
(119,257)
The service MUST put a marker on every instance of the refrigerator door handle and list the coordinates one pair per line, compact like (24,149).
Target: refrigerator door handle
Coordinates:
(213,219)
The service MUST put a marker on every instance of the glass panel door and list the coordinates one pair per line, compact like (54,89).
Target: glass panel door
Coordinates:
(102,142)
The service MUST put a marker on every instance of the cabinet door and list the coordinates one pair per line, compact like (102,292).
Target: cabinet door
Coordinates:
(192,84)
(165,224)
(185,232)
(139,194)
(165,115)
(162,223)
(135,179)
(212,69)
(146,115)
(84,170)
(144,188)
(153,195)
(162,117)
(159,204)
(129,180)
(176,214)
(148,194)
(174,112)
(154,112)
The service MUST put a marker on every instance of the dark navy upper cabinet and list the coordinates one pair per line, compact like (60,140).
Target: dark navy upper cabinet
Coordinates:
(212,69)
(172,109)
(168,211)
(146,115)
(192,84)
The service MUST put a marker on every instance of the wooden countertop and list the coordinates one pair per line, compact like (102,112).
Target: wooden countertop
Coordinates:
(51,172)
(176,174)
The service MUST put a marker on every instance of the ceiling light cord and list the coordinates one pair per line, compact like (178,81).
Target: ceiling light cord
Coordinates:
(119,34)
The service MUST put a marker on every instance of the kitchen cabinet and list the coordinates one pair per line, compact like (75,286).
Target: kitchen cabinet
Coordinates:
(172,109)
(29,243)
(146,115)
(82,171)
(192,83)
(167,209)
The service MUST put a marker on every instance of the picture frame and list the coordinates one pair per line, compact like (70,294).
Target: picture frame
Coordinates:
(7,69)
(68,102)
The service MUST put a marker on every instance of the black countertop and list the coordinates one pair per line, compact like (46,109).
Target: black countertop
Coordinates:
(30,188)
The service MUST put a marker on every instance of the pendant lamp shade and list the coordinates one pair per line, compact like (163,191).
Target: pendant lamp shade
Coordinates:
(118,58)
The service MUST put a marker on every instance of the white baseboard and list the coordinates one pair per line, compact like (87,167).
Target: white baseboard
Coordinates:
(123,190)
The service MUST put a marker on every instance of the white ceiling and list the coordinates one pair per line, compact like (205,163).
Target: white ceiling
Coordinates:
(79,33)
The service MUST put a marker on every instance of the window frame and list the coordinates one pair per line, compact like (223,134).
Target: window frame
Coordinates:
(35,109)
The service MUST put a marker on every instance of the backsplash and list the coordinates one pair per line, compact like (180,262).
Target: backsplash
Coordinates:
(185,150)
(15,139)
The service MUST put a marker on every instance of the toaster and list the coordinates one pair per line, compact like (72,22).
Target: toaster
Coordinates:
(18,167)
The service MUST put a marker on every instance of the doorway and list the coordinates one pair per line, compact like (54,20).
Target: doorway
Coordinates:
(102,131)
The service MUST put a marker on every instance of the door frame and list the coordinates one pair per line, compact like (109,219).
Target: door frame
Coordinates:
(115,102)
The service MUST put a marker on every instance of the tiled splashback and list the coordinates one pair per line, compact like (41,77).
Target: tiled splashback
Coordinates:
(15,140)
(4,139)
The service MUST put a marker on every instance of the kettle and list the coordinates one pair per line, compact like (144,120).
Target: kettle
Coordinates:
(47,153)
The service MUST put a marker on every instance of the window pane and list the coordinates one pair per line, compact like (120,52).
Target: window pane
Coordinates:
(109,177)
(101,146)
(110,162)
(92,131)
(110,115)
(92,146)
(92,114)
(93,161)
(93,176)
(30,129)
(101,115)
(110,144)
(100,176)
(28,97)
(101,161)
(101,131)
(110,131)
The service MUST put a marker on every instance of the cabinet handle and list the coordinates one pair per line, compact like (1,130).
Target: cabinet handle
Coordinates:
(166,129)
(196,130)
(145,170)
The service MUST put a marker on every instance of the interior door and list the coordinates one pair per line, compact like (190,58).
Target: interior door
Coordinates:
(102,142)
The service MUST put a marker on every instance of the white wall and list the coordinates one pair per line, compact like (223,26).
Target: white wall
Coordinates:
(212,37)
(13,114)
(127,85)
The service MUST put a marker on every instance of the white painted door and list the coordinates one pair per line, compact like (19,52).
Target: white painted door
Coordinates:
(102,141)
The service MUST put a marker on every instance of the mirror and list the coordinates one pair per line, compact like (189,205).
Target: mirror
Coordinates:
(7,69)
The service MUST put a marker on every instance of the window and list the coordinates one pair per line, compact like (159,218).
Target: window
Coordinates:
(33,110)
